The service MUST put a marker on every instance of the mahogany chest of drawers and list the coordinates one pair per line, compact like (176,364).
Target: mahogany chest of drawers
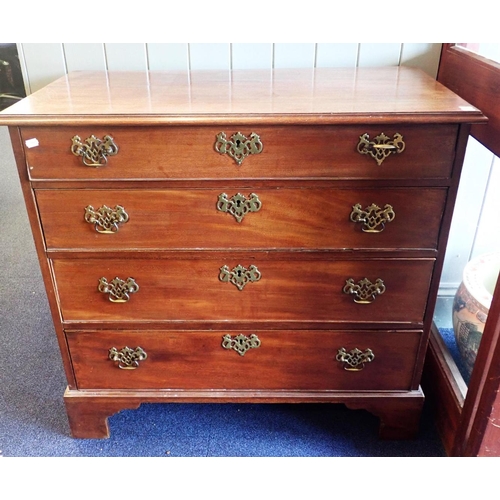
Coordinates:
(246,236)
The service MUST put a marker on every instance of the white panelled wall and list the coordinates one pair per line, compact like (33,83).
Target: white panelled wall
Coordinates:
(475,228)
(45,62)
(472,226)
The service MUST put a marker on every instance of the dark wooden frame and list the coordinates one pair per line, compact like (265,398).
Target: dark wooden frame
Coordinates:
(477,80)
(466,417)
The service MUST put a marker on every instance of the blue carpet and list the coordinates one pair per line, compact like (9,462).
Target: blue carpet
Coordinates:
(214,430)
(449,338)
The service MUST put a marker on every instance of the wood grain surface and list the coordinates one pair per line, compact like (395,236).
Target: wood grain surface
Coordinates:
(288,290)
(299,96)
(288,152)
(300,360)
(289,218)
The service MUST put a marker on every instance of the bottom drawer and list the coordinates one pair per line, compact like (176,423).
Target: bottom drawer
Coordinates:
(291,360)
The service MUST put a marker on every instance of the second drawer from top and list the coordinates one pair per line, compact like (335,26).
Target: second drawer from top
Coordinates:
(286,218)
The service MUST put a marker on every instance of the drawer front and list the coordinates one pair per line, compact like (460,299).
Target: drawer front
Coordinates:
(253,289)
(190,152)
(262,360)
(260,219)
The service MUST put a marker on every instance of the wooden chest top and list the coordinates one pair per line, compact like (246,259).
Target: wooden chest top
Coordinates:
(280,96)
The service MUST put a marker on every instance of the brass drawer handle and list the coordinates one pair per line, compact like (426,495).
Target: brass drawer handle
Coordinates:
(364,291)
(118,289)
(241,343)
(354,360)
(373,217)
(239,147)
(127,358)
(238,205)
(105,219)
(239,276)
(381,147)
(94,151)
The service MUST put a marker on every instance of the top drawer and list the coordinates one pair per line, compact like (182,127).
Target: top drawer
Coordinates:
(181,152)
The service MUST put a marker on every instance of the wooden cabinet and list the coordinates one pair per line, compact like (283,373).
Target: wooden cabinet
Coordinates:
(276,239)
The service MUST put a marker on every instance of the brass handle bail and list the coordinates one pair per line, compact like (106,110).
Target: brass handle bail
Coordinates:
(93,151)
(372,218)
(381,147)
(354,360)
(119,290)
(105,219)
(127,358)
(364,291)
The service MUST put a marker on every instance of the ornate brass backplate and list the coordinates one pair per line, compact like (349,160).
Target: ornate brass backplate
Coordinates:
(238,205)
(364,291)
(354,360)
(127,358)
(105,219)
(373,217)
(239,147)
(239,276)
(118,289)
(240,343)
(94,151)
(381,147)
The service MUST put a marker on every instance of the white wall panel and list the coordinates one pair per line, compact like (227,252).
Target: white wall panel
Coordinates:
(294,55)
(209,55)
(336,55)
(488,231)
(126,56)
(44,63)
(379,54)
(252,56)
(475,172)
(168,56)
(84,56)
(422,55)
